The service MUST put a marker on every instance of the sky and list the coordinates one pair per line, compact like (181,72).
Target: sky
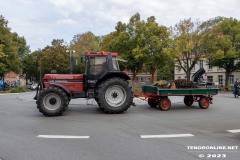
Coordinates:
(41,21)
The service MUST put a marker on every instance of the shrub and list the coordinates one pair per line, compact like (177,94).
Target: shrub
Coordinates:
(18,89)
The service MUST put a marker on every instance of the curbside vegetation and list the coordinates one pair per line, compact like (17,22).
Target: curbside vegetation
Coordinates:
(15,90)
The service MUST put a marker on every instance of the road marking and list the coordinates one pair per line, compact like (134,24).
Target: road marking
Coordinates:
(167,136)
(234,131)
(63,136)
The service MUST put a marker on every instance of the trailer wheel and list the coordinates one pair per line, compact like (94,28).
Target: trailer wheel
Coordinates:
(52,101)
(114,95)
(188,100)
(152,102)
(164,104)
(204,103)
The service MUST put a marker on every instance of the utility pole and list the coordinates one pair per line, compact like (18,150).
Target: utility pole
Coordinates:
(71,60)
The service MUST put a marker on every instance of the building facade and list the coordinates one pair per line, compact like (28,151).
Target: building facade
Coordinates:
(213,74)
(142,77)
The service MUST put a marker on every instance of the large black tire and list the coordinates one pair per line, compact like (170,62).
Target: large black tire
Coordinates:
(204,103)
(52,101)
(114,95)
(152,102)
(188,100)
(99,105)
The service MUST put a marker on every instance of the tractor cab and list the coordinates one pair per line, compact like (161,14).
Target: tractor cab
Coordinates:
(97,63)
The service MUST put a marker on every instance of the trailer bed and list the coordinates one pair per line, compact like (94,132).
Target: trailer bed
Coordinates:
(159,97)
(149,90)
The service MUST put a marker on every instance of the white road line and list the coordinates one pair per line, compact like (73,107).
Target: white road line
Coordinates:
(167,136)
(63,136)
(234,131)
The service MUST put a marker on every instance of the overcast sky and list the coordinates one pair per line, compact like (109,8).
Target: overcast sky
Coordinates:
(41,21)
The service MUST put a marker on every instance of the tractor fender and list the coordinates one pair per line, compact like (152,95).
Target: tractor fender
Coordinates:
(63,88)
(112,74)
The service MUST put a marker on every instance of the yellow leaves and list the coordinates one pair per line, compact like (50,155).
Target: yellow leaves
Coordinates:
(218,55)
(231,53)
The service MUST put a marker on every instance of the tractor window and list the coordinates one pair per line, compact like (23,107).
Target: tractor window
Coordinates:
(97,65)
(115,64)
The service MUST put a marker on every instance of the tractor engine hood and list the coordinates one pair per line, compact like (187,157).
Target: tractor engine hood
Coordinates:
(63,77)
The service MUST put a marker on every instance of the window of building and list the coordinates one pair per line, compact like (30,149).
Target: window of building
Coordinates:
(210,78)
(231,79)
(178,69)
(179,77)
(220,79)
(193,69)
(142,79)
(210,67)
(201,64)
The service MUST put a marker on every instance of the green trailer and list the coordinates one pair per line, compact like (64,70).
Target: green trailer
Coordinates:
(159,97)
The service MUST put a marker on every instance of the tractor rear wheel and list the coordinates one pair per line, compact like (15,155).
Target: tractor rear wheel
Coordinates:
(52,101)
(99,105)
(114,95)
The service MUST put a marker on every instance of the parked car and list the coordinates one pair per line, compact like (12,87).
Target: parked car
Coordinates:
(31,85)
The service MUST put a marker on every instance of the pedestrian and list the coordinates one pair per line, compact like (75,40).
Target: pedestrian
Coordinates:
(1,85)
(17,84)
(236,87)
(216,84)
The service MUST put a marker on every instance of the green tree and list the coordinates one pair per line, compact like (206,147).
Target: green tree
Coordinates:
(189,44)
(9,49)
(153,41)
(3,57)
(82,43)
(54,57)
(224,46)
(30,65)
(85,42)
(124,41)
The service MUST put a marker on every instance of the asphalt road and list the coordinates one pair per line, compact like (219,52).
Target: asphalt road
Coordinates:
(100,136)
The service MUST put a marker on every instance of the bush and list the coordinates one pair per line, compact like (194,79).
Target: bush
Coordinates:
(18,89)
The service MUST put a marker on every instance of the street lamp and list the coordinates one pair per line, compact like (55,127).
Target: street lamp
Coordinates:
(71,60)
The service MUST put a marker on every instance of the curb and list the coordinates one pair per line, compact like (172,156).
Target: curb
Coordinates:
(4,94)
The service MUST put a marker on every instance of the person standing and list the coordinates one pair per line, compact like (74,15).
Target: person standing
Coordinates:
(236,87)
(216,84)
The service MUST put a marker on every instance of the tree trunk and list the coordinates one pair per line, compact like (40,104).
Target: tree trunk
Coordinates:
(188,74)
(227,74)
(134,75)
(153,77)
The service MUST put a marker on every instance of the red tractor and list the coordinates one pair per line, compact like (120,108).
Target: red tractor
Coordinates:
(102,81)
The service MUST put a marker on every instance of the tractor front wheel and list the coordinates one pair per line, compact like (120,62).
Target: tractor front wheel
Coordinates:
(52,101)
(114,95)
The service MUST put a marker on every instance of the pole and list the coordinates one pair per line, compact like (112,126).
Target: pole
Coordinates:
(71,62)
